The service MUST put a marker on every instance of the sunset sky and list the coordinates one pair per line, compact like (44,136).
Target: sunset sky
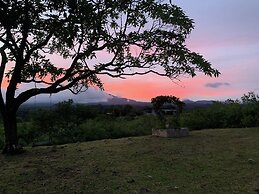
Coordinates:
(227,34)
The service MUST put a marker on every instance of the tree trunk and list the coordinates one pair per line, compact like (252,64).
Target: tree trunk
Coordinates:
(11,139)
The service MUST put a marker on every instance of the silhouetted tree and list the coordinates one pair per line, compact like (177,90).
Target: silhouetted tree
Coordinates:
(137,35)
(250,97)
(159,101)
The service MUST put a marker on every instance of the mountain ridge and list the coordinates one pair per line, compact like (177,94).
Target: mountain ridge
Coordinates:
(94,96)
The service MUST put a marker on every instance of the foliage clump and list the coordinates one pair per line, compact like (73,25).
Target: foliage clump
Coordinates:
(231,113)
(67,122)
(158,103)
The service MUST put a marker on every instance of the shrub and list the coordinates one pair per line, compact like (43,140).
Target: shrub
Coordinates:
(194,119)
(1,136)
(26,133)
(116,127)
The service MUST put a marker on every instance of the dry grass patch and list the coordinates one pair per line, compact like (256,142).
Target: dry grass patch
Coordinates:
(208,161)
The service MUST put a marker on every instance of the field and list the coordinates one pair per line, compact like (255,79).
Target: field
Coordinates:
(208,161)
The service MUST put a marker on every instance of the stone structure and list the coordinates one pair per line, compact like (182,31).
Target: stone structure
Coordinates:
(182,132)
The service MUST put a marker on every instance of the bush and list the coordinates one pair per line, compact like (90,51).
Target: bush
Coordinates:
(250,117)
(1,136)
(105,127)
(232,115)
(26,133)
(225,114)
(195,119)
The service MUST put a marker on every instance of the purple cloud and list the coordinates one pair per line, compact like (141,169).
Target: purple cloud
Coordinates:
(216,84)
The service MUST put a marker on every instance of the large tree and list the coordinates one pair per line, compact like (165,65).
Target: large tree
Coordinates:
(140,37)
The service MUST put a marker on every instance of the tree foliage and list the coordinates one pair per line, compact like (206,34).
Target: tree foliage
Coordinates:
(139,37)
(158,103)
(78,29)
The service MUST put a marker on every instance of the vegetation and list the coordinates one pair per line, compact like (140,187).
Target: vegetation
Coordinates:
(32,32)
(231,113)
(158,103)
(67,122)
(209,161)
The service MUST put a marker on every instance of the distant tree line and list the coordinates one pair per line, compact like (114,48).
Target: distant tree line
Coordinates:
(231,113)
(67,122)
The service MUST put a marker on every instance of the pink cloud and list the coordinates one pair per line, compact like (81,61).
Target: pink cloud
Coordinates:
(146,87)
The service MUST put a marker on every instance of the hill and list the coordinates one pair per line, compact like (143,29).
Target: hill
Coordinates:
(96,97)
(209,161)
(114,100)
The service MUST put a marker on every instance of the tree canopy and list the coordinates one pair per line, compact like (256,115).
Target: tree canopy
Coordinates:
(159,101)
(78,29)
(140,37)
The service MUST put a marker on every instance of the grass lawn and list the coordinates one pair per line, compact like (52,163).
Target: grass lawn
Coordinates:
(208,161)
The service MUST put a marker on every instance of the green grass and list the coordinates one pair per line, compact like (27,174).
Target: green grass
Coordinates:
(208,161)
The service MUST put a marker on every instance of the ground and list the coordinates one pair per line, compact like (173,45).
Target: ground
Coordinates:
(208,161)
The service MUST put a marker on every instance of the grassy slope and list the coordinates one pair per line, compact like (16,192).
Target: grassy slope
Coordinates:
(209,161)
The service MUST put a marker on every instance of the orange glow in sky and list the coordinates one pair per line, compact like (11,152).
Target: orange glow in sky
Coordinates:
(4,84)
(146,87)
(225,33)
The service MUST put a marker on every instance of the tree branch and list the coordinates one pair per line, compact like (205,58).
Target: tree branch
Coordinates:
(3,63)
(8,45)
(11,38)
(36,81)
(130,74)
(25,29)
(38,46)
(24,96)
(2,69)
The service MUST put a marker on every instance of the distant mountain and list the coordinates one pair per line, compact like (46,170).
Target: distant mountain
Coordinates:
(115,100)
(93,97)
(207,102)
(90,97)
(189,104)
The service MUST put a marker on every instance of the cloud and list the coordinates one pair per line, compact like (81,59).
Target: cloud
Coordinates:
(92,95)
(216,84)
